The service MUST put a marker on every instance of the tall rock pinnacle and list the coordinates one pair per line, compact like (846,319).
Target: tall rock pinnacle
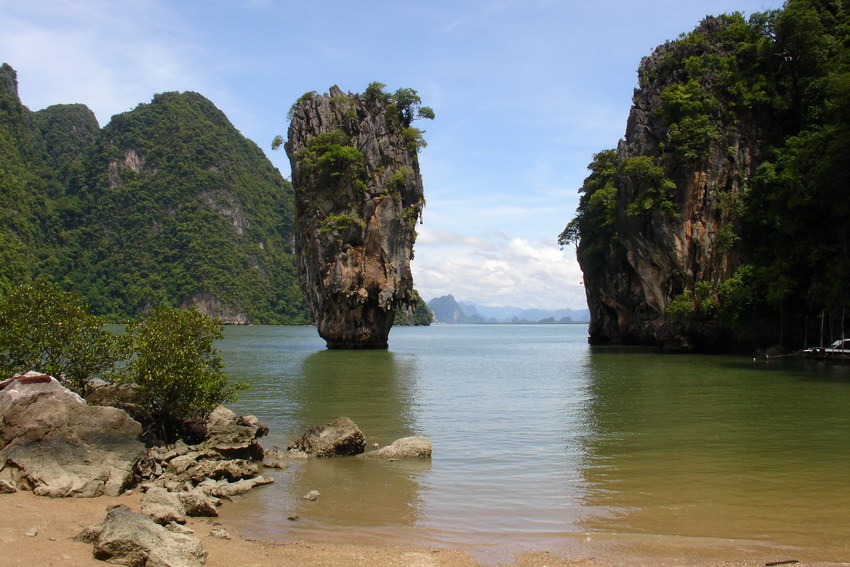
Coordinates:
(358,195)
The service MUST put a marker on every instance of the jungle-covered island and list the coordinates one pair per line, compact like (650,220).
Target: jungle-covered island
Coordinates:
(720,221)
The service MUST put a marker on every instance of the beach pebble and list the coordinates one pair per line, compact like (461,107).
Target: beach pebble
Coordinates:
(32,533)
(219,532)
(313,495)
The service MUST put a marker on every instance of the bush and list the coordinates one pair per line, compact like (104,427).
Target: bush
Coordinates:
(178,372)
(49,330)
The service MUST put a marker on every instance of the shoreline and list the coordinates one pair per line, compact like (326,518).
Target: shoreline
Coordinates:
(57,520)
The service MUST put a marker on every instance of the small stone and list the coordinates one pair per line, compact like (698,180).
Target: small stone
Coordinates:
(32,533)
(7,487)
(179,528)
(292,518)
(313,495)
(219,532)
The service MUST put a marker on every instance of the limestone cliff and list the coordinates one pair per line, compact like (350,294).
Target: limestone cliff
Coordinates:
(659,220)
(358,195)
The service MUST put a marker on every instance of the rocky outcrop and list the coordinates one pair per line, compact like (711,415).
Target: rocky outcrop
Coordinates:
(128,538)
(341,437)
(416,447)
(53,443)
(675,233)
(358,195)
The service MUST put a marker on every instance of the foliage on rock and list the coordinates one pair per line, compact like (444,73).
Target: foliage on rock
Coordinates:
(747,121)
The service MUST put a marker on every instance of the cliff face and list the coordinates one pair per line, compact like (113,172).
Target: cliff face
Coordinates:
(676,186)
(186,208)
(358,195)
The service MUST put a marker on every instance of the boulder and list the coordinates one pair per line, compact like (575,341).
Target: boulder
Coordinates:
(162,506)
(339,438)
(405,448)
(234,436)
(131,539)
(7,487)
(275,459)
(196,467)
(225,489)
(196,503)
(54,444)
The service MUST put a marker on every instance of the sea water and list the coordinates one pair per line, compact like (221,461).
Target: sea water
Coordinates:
(543,442)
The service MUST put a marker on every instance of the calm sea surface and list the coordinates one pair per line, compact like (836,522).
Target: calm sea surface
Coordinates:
(542,442)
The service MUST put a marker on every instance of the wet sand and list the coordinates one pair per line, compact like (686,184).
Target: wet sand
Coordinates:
(57,521)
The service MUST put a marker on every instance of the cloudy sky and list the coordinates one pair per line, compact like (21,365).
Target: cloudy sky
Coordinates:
(525,92)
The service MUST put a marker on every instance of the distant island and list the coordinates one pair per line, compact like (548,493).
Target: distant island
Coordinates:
(447,310)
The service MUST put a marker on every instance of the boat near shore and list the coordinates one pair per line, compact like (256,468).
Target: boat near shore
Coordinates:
(838,350)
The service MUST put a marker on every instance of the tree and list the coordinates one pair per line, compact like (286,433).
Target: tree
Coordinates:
(178,372)
(49,330)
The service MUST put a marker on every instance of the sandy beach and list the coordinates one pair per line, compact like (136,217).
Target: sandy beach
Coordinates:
(57,521)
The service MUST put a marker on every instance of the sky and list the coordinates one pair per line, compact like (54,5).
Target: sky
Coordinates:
(525,92)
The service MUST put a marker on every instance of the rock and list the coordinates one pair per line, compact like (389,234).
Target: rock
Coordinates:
(163,507)
(7,487)
(275,459)
(296,454)
(54,444)
(121,396)
(32,532)
(233,436)
(179,528)
(225,489)
(131,539)
(312,496)
(404,448)
(355,214)
(196,503)
(195,468)
(339,438)
(219,532)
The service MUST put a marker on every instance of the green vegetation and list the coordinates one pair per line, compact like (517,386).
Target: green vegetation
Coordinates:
(778,81)
(416,313)
(168,204)
(178,373)
(48,330)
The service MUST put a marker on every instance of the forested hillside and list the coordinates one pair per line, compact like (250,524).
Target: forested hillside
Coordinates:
(167,204)
(723,218)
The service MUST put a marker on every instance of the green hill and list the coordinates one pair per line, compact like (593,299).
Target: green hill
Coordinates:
(168,203)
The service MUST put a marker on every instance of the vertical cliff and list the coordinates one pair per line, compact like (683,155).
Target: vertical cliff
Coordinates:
(358,196)
(658,228)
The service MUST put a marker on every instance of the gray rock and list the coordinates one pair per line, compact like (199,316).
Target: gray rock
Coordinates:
(131,539)
(275,459)
(405,448)
(179,528)
(32,532)
(219,532)
(163,507)
(233,436)
(224,489)
(54,444)
(197,467)
(196,503)
(338,438)
(312,496)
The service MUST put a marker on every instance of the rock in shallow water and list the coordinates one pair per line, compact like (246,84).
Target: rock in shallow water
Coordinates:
(358,196)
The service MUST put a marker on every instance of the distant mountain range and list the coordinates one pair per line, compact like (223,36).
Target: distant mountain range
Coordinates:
(447,310)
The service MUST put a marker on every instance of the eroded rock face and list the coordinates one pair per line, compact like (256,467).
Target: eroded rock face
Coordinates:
(658,254)
(358,197)
(54,444)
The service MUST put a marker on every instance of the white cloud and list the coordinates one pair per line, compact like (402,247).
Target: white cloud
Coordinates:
(107,56)
(495,269)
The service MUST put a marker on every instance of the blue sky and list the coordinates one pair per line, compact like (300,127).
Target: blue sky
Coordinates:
(525,92)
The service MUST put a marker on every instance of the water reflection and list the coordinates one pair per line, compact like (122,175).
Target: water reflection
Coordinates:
(377,390)
(712,447)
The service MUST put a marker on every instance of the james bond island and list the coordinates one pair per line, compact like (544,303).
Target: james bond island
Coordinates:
(358,196)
